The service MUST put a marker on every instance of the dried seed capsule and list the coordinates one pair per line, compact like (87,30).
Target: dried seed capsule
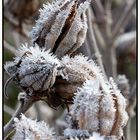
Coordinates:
(99,109)
(62,26)
(74,73)
(34,69)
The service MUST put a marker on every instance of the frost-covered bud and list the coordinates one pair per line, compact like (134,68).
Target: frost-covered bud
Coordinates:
(62,26)
(34,69)
(27,129)
(100,108)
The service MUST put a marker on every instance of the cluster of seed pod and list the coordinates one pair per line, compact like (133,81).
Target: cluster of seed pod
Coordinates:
(98,106)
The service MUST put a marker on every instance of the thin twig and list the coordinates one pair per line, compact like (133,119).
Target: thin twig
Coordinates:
(37,108)
(25,104)
(94,44)
(9,47)
(132,101)
(108,18)
(98,7)
(97,31)
(123,19)
(14,23)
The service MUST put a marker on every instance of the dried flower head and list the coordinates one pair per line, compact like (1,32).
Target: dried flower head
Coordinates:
(27,129)
(99,110)
(62,26)
(34,69)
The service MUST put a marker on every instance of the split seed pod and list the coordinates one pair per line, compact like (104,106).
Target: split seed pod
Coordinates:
(62,26)
(34,69)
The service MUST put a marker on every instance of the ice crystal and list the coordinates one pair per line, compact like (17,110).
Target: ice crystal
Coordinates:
(76,133)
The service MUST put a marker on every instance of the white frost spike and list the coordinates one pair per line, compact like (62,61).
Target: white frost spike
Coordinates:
(27,129)
(35,54)
(96,136)
(76,133)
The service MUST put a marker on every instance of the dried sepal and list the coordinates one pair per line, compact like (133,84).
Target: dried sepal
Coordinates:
(34,69)
(32,130)
(62,26)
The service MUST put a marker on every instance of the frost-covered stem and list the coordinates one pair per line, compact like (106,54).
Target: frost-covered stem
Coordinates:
(85,49)
(98,7)
(94,43)
(25,104)
(110,62)
(9,47)
(108,18)
(39,114)
(123,19)
(98,34)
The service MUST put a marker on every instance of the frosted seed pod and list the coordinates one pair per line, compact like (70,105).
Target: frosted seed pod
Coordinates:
(32,130)
(62,26)
(76,70)
(99,110)
(35,69)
